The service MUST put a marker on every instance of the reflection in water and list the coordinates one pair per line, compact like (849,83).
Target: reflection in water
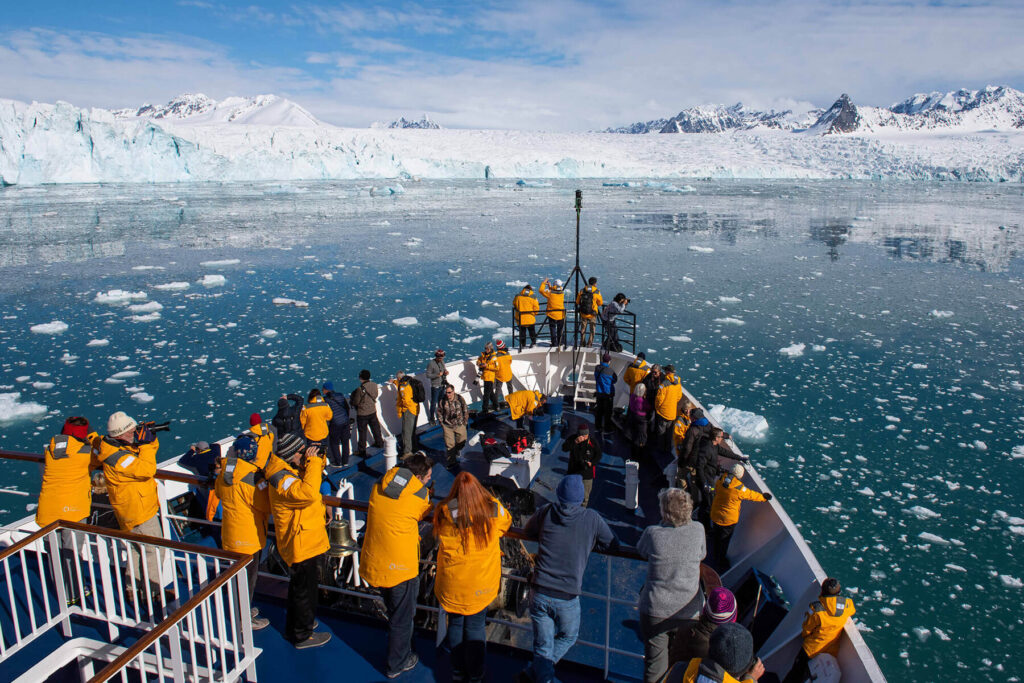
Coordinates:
(831,234)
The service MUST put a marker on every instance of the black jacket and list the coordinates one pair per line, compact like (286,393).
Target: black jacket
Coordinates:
(566,535)
(580,454)
(286,421)
(339,408)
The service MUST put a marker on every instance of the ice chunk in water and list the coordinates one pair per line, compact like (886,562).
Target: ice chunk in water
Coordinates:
(98,342)
(922,512)
(406,322)
(268,333)
(793,350)
(56,327)
(220,263)
(741,424)
(12,409)
(702,250)
(117,297)
(212,280)
(172,286)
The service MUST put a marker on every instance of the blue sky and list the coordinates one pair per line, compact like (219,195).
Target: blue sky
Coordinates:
(536,64)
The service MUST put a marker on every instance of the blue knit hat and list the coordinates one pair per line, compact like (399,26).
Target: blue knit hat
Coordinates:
(245,448)
(328,386)
(570,490)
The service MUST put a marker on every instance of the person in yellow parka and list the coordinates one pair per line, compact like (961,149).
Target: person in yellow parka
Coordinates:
(468,524)
(523,403)
(265,436)
(314,418)
(66,493)
(731,659)
(725,512)
(666,405)
(636,371)
(300,527)
(128,453)
(525,308)
(486,367)
(390,559)
(408,410)
(502,361)
(243,494)
(588,303)
(826,618)
(554,310)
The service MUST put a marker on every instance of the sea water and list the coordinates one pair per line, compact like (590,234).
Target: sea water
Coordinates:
(875,328)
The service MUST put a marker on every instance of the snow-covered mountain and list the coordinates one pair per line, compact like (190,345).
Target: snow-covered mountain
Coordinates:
(639,128)
(718,119)
(198,109)
(422,123)
(192,139)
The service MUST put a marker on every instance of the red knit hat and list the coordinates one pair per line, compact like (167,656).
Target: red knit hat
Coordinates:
(500,344)
(255,419)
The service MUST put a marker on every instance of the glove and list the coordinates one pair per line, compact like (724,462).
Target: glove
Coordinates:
(143,434)
(767,496)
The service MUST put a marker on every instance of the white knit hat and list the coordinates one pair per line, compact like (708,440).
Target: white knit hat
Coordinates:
(558,283)
(738,471)
(119,424)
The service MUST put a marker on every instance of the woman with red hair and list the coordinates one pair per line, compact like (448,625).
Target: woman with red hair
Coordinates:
(468,524)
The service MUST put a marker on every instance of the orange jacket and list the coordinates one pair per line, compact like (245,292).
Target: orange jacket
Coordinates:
(66,493)
(693,670)
(824,623)
(245,501)
(522,403)
(670,392)
(679,428)
(525,307)
(129,470)
(555,308)
(404,402)
(635,373)
(729,495)
(391,544)
(468,574)
(503,361)
(314,419)
(486,366)
(300,520)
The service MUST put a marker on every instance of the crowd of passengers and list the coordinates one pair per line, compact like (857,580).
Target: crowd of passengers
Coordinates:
(276,470)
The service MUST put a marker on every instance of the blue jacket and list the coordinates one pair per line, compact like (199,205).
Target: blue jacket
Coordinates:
(605,378)
(339,408)
(566,535)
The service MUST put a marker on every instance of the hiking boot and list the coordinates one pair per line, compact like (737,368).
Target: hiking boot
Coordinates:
(260,623)
(408,665)
(316,639)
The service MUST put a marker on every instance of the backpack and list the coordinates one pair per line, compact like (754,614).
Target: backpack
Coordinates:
(518,440)
(586,304)
(419,394)
(495,449)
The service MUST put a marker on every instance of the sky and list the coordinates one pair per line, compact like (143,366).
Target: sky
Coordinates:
(558,65)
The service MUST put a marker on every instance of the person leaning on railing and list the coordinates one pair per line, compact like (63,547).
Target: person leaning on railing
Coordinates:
(66,493)
(468,524)
(299,525)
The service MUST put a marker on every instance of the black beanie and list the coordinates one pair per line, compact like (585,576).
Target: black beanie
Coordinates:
(732,647)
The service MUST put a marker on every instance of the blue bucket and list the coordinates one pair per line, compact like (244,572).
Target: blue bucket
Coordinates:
(553,408)
(540,426)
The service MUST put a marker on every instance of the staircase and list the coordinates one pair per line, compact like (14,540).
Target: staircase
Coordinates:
(586,388)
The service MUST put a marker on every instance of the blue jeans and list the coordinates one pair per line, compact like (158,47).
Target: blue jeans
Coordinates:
(400,604)
(435,396)
(467,640)
(556,625)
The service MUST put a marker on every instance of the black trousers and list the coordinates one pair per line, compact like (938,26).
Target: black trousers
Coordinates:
(721,536)
(489,396)
(557,332)
(800,671)
(371,423)
(603,412)
(303,594)
(523,329)
(400,604)
(339,443)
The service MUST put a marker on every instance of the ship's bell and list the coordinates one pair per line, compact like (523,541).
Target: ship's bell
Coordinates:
(340,536)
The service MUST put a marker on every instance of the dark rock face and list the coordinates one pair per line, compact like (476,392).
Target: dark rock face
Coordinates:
(842,117)
(639,128)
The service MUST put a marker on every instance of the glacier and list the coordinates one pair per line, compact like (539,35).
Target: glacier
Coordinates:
(62,143)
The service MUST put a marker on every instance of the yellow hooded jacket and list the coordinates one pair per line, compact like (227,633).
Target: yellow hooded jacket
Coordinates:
(502,360)
(314,419)
(525,307)
(555,297)
(468,574)
(598,302)
(670,392)
(824,623)
(266,440)
(404,402)
(729,495)
(486,366)
(679,428)
(391,544)
(635,373)
(66,493)
(129,470)
(522,403)
(245,499)
(300,520)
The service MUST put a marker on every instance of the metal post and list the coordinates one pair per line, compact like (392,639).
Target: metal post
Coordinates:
(58,579)
(607,614)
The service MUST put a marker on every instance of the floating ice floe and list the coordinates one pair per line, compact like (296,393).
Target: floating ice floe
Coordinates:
(741,424)
(517,283)
(729,321)
(232,383)
(268,333)
(452,317)
(454,271)
(793,350)
(729,299)
(919,366)
(1011,582)
(172,286)
(43,386)
(147,268)
(148,307)
(688,280)
(220,263)
(98,342)
(386,191)
(668,187)
(282,301)
(470,340)
(12,409)
(142,397)
(56,327)
(532,183)
(679,338)
(702,250)
(126,374)
(146,317)
(1017,452)
(212,280)
(938,540)
(922,512)
(942,314)
(407,321)
(117,297)
(817,347)
(480,323)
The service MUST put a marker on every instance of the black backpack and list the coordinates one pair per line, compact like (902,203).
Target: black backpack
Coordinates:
(586,304)
(419,394)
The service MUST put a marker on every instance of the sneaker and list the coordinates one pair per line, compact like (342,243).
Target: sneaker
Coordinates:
(316,639)
(410,663)
(254,612)
(260,623)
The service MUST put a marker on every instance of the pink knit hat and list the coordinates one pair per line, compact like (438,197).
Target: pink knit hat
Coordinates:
(720,606)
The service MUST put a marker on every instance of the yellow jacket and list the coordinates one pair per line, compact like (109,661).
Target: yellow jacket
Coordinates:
(635,373)
(525,307)
(468,574)
(129,470)
(729,495)
(404,402)
(314,418)
(670,392)
(486,365)
(598,302)
(694,668)
(555,301)
(503,366)
(522,403)
(245,500)
(266,442)
(679,428)
(66,493)
(391,543)
(824,623)
(300,520)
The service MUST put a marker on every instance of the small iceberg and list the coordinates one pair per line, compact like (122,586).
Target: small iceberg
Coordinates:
(408,321)
(56,327)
